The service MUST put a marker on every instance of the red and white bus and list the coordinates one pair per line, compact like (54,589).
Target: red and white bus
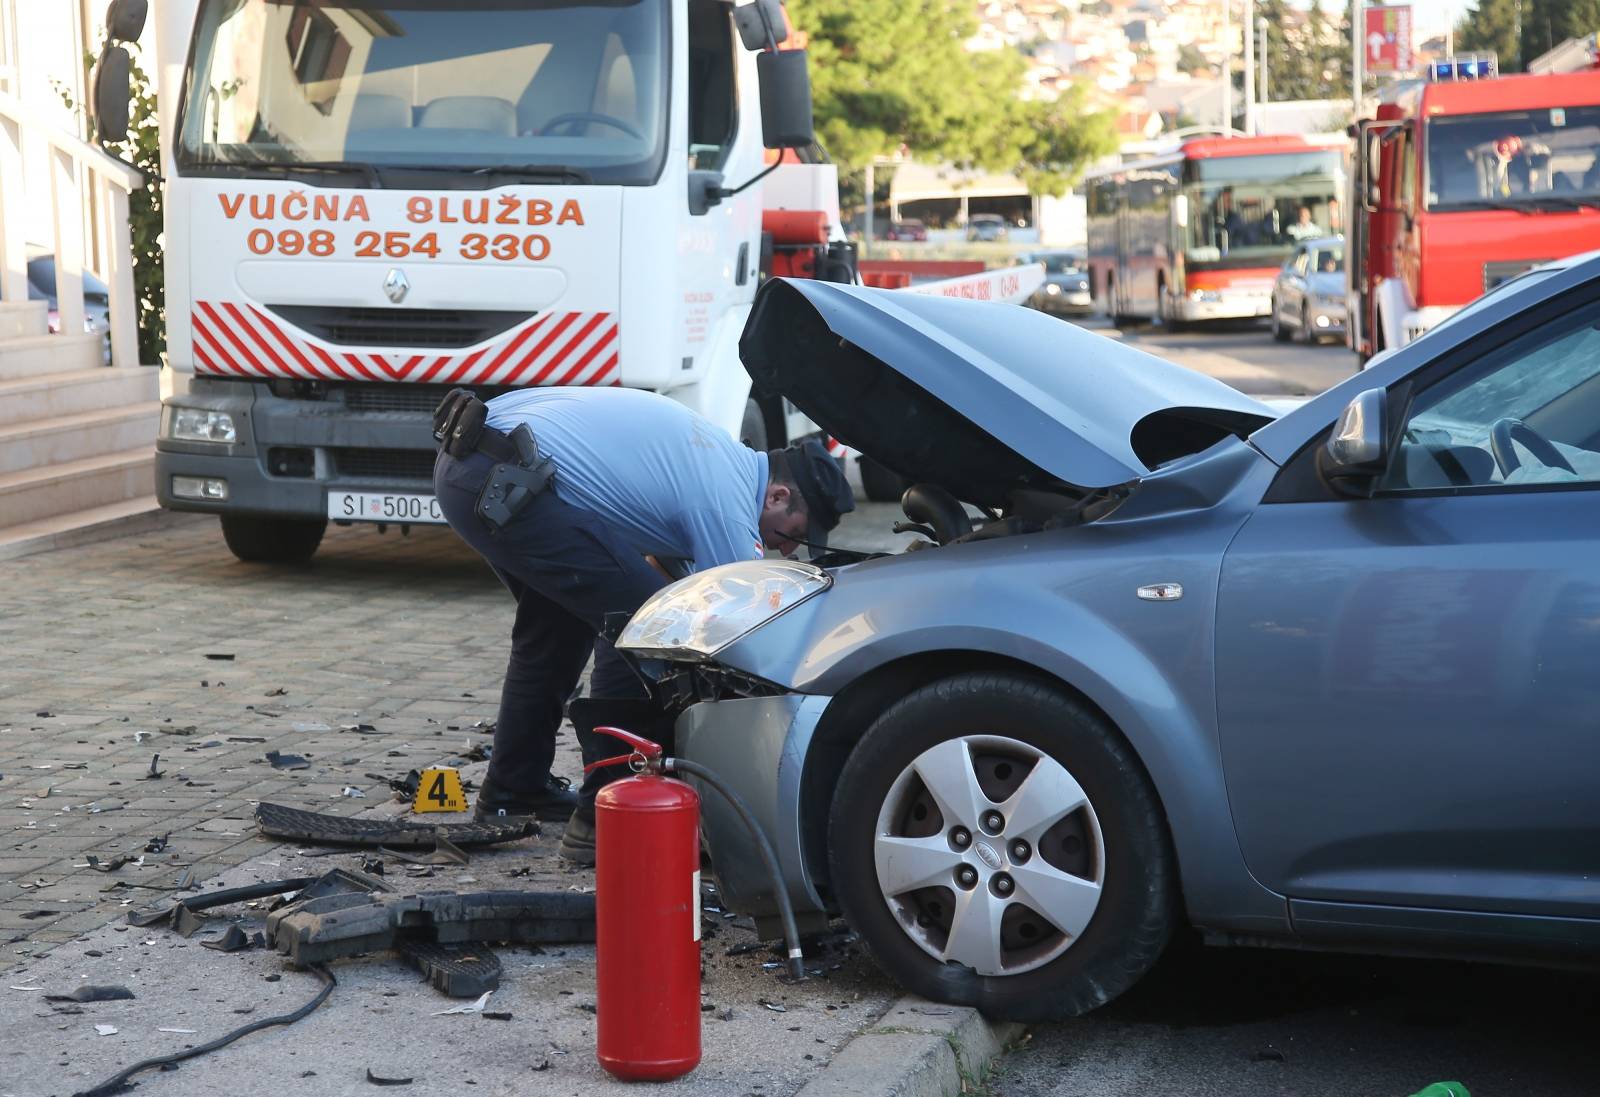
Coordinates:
(1200,233)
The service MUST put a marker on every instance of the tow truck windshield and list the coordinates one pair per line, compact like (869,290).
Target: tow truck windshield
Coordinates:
(465,90)
(1534,159)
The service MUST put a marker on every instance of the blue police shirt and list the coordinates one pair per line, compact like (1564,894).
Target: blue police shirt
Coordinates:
(666,479)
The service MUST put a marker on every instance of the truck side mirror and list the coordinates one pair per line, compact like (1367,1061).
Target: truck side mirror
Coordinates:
(125,19)
(1358,446)
(111,95)
(760,24)
(1180,210)
(785,99)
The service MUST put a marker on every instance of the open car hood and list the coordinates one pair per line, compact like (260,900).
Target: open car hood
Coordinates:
(981,398)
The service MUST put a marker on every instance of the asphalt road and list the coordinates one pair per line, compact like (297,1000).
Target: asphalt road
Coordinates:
(1254,1023)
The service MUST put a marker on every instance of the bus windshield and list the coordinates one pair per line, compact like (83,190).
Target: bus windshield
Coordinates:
(575,90)
(1545,157)
(1250,211)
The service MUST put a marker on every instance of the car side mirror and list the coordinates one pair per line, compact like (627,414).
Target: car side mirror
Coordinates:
(1358,446)
(125,19)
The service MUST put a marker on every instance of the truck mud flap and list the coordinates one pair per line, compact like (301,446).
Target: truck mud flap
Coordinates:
(278,821)
(453,970)
(336,926)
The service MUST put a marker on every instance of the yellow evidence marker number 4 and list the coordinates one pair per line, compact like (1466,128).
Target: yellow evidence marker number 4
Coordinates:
(440,790)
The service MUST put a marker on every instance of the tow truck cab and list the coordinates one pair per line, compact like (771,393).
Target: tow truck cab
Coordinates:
(372,201)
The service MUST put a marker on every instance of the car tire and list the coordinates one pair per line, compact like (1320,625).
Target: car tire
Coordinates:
(1114,848)
(753,430)
(1279,332)
(1305,334)
(258,540)
(881,485)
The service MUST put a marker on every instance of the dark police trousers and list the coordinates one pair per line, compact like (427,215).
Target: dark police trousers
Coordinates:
(567,569)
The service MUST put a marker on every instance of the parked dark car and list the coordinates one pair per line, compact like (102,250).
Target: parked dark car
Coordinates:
(987,226)
(907,229)
(96,294)
(1308,296)
(1325,680)
(1065,291)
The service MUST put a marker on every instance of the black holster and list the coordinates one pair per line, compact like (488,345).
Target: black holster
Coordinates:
(512,485)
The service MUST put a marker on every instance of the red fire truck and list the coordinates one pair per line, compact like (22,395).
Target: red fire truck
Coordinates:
(1460,183)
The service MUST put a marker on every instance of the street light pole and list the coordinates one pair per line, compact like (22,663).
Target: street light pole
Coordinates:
(871,184)
(1261,47)
(1249,66)
(1358,46)
(1227,69)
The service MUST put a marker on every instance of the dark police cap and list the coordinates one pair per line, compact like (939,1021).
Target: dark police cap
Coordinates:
(824,488)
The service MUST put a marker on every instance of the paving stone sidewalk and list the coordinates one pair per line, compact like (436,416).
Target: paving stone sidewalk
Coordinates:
(383,655)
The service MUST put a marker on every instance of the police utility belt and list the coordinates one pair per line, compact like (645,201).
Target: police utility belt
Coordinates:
(519,473)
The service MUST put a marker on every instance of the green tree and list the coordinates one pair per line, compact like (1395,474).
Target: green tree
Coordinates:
(1548,23)
(891,72)
(1493,26)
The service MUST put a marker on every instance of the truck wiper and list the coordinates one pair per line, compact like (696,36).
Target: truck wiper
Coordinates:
(537,172)
(266,168)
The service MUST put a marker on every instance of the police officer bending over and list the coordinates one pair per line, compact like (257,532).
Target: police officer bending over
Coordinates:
(566,492)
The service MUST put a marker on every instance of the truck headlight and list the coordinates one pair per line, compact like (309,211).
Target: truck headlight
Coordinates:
(198,425)
(695,618)
(1051,288)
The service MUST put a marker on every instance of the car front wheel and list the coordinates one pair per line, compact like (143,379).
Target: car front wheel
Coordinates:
(996,844)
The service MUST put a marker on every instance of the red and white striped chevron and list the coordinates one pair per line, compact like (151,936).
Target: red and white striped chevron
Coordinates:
(558,348)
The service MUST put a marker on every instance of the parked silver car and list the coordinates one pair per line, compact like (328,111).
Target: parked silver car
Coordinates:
(1065,291)
(1322,681)
(1308,296)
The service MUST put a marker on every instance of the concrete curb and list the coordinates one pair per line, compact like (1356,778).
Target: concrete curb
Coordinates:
(87,527)
(917,1049)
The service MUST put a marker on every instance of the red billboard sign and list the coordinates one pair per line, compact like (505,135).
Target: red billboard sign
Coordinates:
(1388,39)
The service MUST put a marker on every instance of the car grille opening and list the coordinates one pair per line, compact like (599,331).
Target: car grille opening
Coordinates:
(383,464)
(401,397)
(350,326)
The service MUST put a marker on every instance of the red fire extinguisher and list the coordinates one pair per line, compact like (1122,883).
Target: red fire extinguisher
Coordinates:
(647,919)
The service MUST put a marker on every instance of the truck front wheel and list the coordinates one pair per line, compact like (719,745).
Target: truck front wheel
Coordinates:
(272,540)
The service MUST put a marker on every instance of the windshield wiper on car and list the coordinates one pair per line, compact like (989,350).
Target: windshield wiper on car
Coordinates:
(537,172)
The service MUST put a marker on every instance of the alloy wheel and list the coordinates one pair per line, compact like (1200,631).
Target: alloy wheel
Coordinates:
(989,854)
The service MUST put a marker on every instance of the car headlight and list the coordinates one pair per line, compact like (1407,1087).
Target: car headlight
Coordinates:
(199,425)
(1051,288)
(695,618)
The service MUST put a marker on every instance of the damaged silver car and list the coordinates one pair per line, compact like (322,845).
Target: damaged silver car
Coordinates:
(1160,658)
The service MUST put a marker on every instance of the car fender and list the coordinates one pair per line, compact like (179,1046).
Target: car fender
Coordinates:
(1152,680)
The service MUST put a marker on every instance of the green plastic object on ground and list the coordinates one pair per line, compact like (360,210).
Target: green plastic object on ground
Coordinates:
(1443,1089)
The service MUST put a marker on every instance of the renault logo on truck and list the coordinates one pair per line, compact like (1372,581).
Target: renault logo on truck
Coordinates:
(395,285)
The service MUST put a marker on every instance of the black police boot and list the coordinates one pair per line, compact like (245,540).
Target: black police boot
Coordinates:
(553,803)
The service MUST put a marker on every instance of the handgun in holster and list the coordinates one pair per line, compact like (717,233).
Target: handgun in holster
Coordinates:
(512,486)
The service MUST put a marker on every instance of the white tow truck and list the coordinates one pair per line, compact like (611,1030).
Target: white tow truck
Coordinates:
(370,202)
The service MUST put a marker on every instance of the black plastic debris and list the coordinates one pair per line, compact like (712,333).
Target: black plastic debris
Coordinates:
(1267,1055)
(107,866)
(287,761)
(444,852)
(406,787)
(456,971)
(92,993)
(235,940)
(373,865)
(381,1081)
(154,774)
(279,821)
(478,752)
(276,693)
(220,656)
(157,845)
(495,1015)
(32,915)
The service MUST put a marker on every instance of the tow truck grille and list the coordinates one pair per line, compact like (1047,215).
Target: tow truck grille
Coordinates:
(379,327)
(384,464)
(383,396)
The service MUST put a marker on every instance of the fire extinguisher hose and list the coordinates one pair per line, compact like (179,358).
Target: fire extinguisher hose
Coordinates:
(791,933)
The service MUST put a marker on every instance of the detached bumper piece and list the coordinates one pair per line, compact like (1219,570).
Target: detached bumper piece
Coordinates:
(278,821)
(336,926)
